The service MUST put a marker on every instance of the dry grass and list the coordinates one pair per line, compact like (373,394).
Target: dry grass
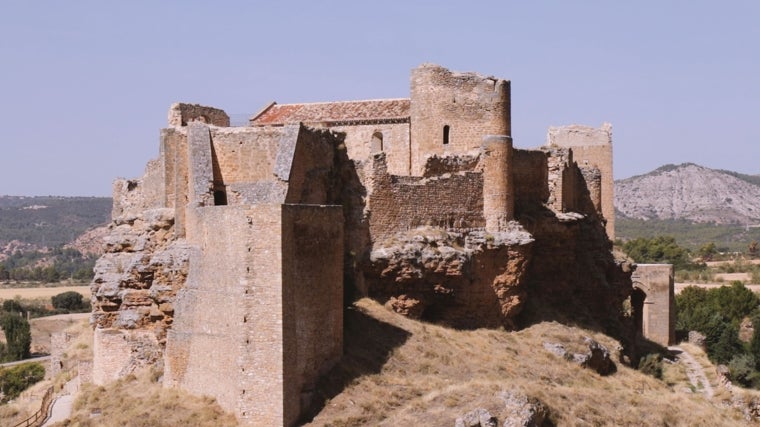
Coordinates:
(47,293)
(399,371)
(140,401)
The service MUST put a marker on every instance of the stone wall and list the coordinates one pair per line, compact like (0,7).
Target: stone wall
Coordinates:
(654,311)
(361,142)
(250,331)
(592,148)
(530,177)
(451,112)
(180,114)
(397,203)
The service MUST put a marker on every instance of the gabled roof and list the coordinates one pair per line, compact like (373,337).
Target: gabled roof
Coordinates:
(343,112)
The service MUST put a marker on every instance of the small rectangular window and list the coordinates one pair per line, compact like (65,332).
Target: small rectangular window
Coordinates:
(446,135)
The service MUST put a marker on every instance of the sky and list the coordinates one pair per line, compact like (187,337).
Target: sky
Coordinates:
(85,86)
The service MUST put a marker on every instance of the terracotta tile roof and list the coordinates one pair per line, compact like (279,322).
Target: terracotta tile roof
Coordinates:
(378,110)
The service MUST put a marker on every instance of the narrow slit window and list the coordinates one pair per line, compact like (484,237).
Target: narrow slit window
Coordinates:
(446,135)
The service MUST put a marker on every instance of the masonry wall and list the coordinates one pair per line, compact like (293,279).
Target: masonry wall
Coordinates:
(217,346)
(312,251)
(470,105)
(397,203)
(659,314)
(592,148)
(530,177)
(395,144)
(248,331)
(180,114)
(311,168)
(244,154)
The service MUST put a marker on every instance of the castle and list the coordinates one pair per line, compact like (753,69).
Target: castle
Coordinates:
(230,261)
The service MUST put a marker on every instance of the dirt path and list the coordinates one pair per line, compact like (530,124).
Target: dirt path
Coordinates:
(694,371)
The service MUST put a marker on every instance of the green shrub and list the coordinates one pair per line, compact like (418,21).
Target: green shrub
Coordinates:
(15,379)
(70,301)
(651,364)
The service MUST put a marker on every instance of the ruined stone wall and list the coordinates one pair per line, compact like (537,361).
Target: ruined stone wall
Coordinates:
(243,155)
(180,114)
(592,148)
(530,176)
(452,202)
(311,171)
(395,143)
(450,112)
(658,314)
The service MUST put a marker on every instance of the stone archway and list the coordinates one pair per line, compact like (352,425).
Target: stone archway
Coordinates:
(653,302)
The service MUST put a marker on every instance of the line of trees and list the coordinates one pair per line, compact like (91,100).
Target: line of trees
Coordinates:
(36,266)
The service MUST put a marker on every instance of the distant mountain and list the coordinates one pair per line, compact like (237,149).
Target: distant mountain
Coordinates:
(691,193)
(39,222)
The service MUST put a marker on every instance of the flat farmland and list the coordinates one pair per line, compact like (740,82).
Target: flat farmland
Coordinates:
(40,292)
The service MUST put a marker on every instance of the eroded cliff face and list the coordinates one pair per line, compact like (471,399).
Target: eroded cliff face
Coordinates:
(465,280)
(136,281)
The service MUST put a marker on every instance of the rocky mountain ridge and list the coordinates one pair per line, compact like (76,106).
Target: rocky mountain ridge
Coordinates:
(690,192)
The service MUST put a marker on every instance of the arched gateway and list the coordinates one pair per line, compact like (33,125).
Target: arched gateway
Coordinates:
(653,302)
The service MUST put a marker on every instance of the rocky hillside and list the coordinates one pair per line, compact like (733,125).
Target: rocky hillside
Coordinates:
(36,223)
(690,192)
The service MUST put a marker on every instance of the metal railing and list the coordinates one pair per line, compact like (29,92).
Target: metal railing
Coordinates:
(40,416)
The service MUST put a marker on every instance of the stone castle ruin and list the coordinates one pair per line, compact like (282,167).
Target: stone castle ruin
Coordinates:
(229,263)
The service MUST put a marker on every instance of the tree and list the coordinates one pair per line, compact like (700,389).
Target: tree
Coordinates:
(68,301)
(17,336)
(660,249)
(708,251)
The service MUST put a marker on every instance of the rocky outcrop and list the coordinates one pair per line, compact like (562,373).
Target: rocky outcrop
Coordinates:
(519,410)
(138,277)
(595,356)
(690,192)
(522,410)
(465,280)
(477,418)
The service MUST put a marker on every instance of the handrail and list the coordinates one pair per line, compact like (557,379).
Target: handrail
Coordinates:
(40,416)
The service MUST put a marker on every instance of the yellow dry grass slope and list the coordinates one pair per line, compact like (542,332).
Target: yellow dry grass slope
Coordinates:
(399,371)
(41,292)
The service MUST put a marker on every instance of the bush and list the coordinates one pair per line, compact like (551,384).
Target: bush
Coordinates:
(651,365)
(70,301)
(742,368)
(18,378)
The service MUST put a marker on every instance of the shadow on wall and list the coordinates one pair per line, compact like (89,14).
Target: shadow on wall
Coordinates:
(582,283)
(368,344)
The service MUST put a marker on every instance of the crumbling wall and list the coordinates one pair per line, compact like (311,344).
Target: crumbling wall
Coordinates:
(362,142)
(452,202)
(450,112)
(592,148)
(180,114)
(530,175)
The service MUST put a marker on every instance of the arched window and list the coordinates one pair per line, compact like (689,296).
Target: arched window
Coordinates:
(376,143)
(446,135)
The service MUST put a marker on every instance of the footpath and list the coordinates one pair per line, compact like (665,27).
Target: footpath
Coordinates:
(62,406)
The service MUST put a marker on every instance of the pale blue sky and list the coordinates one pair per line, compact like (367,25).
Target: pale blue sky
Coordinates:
(85,85)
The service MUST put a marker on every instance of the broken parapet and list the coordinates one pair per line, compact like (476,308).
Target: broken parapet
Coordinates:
(180,114)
